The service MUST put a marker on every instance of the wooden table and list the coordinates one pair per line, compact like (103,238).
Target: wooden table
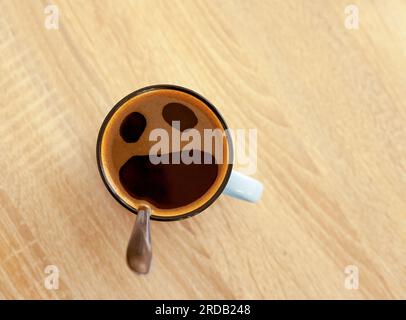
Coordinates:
(329,105)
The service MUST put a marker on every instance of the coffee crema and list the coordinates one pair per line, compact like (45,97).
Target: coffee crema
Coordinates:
(170,189)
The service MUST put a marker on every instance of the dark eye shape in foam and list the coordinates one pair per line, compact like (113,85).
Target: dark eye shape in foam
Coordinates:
(178,112)
(132,127)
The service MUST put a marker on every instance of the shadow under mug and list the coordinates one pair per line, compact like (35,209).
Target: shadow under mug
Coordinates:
(234,184)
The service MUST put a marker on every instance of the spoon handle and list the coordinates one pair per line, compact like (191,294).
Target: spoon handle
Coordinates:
(139,250)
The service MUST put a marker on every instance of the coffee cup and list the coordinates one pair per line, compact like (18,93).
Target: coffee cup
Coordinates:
(165,153)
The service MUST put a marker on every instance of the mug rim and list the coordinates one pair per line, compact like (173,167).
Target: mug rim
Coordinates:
(142,90)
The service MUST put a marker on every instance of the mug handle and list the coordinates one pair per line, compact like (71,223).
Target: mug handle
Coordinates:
(243,187)
(139,250)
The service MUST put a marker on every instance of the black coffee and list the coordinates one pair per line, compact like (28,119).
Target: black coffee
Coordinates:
(168,186)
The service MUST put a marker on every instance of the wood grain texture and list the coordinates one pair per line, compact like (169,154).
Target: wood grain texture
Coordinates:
(329,104)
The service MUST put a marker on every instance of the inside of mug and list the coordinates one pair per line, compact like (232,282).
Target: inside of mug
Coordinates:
(166,149)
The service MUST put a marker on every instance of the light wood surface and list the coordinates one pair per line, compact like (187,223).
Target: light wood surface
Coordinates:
(330,107)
